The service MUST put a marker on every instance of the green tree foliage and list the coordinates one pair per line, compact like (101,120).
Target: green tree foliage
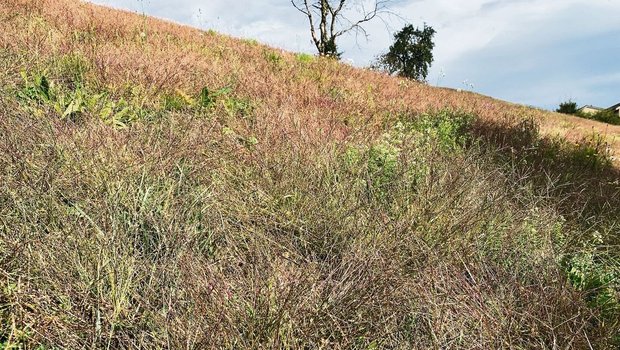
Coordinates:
(411,54)
(568,107)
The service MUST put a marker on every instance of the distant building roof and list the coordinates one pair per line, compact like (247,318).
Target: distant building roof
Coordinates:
(591,107)
(614,107)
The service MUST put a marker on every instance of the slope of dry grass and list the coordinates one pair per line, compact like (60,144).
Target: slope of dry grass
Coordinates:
(125,50)
(163,187)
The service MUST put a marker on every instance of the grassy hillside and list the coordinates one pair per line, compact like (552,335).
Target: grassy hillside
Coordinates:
(163,187)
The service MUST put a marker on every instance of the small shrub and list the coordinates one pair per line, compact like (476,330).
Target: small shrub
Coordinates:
(592,152)
(445,130)
(590,270)
(568,107)
(382,165)
(605,116)
(450,129)
(351,157)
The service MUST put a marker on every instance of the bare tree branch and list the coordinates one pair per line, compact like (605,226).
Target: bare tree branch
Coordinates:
(379,8)
(325,18)
(308,13)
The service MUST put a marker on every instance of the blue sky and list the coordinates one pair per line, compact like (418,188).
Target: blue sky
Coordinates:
(534,52)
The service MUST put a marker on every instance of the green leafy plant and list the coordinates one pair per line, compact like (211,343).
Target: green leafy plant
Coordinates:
(448,128)
(592,152)
(119,114)
(592,271)
(208,98)
(382,165)
(36,87)
(71,106)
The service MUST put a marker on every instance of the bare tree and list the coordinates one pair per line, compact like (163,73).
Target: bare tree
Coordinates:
(327,21)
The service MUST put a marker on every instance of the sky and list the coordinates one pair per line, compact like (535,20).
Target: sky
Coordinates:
(532,52)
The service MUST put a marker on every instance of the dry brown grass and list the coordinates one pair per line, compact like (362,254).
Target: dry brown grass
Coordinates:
(126,49)
(155,238)
(325,216)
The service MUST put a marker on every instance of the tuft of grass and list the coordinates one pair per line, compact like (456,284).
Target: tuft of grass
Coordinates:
(275,60)
(304,58)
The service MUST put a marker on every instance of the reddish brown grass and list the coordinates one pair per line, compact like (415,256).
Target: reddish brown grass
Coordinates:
(127,49)
(178,232)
